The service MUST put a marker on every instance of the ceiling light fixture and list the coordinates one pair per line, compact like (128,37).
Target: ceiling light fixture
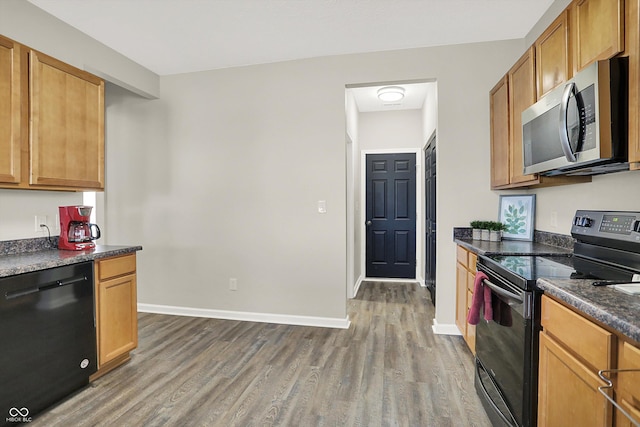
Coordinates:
(391,93)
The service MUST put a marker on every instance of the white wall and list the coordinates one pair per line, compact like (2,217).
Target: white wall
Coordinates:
(18,209)
(352,161)
(430,113)
(390,129)
(229,165)
(606,192)
(30,25)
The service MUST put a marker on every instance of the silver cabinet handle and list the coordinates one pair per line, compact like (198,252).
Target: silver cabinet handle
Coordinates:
(368,223)
(569,89)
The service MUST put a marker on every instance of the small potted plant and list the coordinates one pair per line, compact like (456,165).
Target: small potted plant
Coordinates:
(476,232)
(496,228)
(484,225)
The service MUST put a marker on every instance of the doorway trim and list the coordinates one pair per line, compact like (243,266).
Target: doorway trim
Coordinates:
(420,243)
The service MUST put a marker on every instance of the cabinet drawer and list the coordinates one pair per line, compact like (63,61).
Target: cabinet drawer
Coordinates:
(461,255)
(117,266)
(589,341)
(473,259)
(630,381)
(471,280)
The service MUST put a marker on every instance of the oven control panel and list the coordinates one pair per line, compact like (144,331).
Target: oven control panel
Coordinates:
(622,226)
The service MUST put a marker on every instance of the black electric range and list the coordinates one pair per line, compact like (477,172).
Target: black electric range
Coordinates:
(607,249)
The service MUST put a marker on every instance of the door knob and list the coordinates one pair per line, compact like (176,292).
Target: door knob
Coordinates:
(368,223)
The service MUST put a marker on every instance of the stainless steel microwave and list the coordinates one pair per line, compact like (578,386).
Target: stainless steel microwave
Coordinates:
(580,128)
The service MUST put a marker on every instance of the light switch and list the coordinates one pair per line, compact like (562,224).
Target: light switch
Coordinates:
(322,206)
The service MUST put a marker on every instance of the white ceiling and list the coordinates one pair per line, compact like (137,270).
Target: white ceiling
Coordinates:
(180,36)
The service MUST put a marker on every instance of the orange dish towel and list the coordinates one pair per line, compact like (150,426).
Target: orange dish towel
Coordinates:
(481,296)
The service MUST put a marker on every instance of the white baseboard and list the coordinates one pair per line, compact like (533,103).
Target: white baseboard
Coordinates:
(445,328)
(389,280)
(322,322)
(357,286)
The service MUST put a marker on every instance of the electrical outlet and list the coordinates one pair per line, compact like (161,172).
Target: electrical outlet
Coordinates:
(553,220)
(233,284)
(40,219)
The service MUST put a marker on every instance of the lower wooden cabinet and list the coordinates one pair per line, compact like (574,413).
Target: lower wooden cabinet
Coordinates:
(628,384)
(568,389)
(465,276)
(116,311)
(573,349)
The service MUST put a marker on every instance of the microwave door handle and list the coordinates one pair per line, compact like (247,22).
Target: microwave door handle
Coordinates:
(569,89)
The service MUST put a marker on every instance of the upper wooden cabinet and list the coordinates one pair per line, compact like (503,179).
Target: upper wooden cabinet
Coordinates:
(10,111)
(522,94)
(597,29)
(67,125)
(632,51)
(553,66)
(499,99)
(51,122)
(509,98)
(513,93)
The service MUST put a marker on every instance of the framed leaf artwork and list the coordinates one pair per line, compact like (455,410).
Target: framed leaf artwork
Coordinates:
(518,214)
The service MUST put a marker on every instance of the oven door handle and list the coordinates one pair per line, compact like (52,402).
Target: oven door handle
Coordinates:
(503,292)
(487,397)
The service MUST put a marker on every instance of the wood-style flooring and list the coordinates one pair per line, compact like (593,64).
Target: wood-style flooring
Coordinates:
(387,369)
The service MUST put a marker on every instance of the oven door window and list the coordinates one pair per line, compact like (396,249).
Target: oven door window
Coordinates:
(500,346)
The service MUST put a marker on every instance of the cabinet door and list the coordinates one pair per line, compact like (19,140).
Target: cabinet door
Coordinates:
(67,125)
(499,98)
(632,410)
(632,48)
(118,321)
(552,55)
(598,29)
(10,111)
(628,388)
(461,298)
(521,96)
(567,390)
(471,329)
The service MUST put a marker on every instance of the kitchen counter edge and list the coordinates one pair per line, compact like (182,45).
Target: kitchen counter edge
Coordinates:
(11,265)
(511,247)
(613,309)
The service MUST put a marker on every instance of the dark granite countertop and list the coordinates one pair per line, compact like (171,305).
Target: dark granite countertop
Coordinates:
(18,263)
(511,247)
(615,309)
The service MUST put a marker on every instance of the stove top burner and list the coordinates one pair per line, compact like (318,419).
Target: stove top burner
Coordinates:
(532,267)
(525,270)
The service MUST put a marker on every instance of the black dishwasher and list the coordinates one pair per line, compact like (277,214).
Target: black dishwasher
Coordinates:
(47,338)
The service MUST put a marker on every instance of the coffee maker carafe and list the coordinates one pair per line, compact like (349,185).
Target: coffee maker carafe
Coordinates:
(76,232)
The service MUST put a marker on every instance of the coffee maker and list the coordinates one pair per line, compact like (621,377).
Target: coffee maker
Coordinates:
(76,232)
